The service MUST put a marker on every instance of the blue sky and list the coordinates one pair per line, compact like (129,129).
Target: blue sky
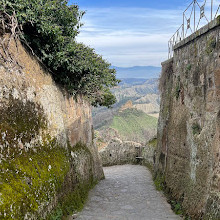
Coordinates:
(130,33)
(131,3)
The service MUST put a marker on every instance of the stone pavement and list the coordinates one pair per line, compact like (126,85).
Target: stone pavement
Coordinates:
(127,193)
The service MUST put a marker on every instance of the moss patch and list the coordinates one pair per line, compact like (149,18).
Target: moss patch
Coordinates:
(211,45)
(196,129)
(31,179)
(33,175)
(153,142)
(176,207)
(74,200)
(159,182)
(20,122)
(188,67)
(79,147)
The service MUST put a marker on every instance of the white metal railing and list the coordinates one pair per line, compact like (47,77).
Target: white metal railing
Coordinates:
(196,15)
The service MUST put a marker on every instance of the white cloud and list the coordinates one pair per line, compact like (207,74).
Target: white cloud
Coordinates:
(130,36)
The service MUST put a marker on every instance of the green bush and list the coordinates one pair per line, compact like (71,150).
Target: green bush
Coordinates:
(50,28)
(177,207)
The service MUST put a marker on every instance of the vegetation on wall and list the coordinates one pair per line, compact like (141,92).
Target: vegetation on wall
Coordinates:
(36,169)
(196,129)
(50,28)
(19,123)
(30,180)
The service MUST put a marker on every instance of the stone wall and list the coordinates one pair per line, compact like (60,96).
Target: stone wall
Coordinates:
(118,152)
(188,152)
(148,154)
(47,155)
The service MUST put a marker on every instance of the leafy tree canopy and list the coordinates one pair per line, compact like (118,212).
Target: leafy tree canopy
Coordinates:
(50,28)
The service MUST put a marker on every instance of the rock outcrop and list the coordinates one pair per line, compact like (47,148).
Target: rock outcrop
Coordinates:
(127,105)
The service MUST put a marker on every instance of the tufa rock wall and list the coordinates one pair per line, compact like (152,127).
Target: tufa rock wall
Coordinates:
(47,157)
(119,152)
(188,152)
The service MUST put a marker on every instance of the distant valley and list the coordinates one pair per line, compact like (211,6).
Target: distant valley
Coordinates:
(134,116)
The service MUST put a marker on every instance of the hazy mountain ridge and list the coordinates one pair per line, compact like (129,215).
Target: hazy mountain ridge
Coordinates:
(138,72)
(135,91)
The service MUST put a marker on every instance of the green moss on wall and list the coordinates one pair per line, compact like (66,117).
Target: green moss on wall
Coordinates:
(188,67)
(74,201)
(153,142)
(159,181)
(211,45)
(19,122)
(80,147)
(196,129)
(31,179)
(176,204)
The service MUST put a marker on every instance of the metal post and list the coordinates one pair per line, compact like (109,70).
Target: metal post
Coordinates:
(211,8)
(183,25)
(168,50)
(194,15)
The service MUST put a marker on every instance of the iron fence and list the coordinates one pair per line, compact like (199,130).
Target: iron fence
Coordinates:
(196,15)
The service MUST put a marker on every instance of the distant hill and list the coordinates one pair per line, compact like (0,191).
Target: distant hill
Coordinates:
(131,81)
(132,89)
(130,124)
(142,92)
(131,117)
(138,72)
(132,121)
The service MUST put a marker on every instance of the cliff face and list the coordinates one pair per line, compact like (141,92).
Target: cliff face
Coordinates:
(188,152)
(47,155)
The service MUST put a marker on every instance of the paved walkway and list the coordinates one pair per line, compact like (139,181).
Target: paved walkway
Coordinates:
(127,193)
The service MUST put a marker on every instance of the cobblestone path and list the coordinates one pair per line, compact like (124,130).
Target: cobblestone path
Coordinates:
(127,193)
